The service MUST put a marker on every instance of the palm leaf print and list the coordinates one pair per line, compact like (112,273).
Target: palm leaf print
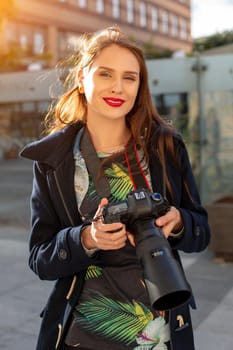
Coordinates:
(115,320)
(120,182)
(93,272)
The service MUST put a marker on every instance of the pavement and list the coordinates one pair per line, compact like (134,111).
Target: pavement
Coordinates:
(23,295)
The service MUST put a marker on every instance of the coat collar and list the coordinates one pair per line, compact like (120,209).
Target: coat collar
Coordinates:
(53,148)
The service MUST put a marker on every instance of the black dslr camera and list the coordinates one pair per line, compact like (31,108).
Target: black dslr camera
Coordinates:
(164,278)
(140,204)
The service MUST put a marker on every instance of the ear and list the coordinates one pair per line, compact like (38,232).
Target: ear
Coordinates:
(80,77)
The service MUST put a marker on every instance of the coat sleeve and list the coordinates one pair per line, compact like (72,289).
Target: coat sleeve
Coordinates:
(196,235)
(55,248)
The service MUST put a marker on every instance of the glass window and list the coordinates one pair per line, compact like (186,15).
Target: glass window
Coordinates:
(165,22)
(28,106)
(82,3)
(183,29)
(116,8)
(174,25)
(130,14)
(67,42)
(100,6)
(38,43)
(23,41)
(142,10)
(154,18)
(72,41)
(43,106)
(62,44)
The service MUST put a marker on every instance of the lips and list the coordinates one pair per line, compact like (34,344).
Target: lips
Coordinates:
(114,102)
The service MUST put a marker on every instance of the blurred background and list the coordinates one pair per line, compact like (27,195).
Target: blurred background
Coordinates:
(188,45)
(189,51)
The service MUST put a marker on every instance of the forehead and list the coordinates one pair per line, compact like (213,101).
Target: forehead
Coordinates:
(117,57)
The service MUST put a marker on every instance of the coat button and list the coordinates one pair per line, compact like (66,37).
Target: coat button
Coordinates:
(198,231)
(62,254)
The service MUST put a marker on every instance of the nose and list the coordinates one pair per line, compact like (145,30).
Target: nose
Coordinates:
(117,86)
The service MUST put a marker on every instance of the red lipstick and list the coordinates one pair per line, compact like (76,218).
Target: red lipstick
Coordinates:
(113,101)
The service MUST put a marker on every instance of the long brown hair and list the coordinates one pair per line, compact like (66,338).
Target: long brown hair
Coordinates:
(71,106)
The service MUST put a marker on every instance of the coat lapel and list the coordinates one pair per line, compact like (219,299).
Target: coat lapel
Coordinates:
(156,175)
(61,182)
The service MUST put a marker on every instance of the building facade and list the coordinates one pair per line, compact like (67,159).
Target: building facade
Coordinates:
(53,26)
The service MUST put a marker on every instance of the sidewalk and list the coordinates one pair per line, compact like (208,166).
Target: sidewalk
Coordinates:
(23,295)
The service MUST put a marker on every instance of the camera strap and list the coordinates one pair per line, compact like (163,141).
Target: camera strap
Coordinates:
(135,168)
(93,164)
(91,158)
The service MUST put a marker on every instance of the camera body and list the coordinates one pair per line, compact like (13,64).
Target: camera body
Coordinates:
(139,205)
(164,278)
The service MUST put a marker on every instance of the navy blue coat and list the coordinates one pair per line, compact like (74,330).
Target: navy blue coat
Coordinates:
(55,249)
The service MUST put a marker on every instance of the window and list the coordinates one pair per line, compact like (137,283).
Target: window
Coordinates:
(174,25)
(23,41)
(115,8)
(82,3)
(154,18)
(67,43)
(72,41)
(183,29)
(38,45)
(28,106)
(43,106)
(130,14)
(165,22)
(100,6)
(142,10)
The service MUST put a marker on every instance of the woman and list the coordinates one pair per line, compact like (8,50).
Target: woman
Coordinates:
(104,140)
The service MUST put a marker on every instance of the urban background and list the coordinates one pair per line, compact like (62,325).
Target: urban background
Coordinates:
(191,82)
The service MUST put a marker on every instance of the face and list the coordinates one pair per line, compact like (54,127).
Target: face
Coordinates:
(111,84)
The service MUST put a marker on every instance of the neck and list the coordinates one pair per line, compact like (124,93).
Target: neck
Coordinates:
(109,138)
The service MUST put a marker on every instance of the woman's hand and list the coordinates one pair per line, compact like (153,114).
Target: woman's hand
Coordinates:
(104,236)
(171,222)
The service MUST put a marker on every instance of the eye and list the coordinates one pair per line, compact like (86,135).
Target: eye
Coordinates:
(129,77)
(105,74)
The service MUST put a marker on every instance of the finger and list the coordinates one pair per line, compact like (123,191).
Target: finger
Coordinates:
(173,215)
(114,228)
(112,242)
(167,229)
(110,228)
(130,237)
(103,202)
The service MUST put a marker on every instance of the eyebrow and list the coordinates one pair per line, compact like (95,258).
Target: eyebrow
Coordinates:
(111,69)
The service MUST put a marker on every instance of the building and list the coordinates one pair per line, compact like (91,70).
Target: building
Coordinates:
(52,26)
